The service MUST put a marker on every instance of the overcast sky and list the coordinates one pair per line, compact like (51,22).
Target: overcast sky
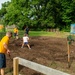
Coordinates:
(2,1)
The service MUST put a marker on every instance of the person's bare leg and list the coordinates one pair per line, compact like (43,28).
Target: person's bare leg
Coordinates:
(16,37)
(22,45)
(28,46)
(2,71)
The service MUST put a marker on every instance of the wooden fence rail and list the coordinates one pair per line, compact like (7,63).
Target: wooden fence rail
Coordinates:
(37,67)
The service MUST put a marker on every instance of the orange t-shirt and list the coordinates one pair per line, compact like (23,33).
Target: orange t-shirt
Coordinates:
(5,40)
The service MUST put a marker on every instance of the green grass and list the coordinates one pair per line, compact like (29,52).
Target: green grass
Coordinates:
(51,34)
(1,30)
(2,34)
(41,33)
(44,33)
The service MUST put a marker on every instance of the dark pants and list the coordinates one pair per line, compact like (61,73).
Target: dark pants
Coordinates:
(2,60)
(15,34)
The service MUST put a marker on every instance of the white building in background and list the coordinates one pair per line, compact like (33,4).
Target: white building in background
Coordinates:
(10,28)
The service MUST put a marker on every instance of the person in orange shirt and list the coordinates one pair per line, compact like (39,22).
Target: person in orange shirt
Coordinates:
(3,50)
(16,33)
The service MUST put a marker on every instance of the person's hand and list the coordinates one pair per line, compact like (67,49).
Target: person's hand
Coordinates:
(8,52)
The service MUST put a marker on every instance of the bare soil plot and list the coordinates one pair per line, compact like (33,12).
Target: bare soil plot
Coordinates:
(48,51)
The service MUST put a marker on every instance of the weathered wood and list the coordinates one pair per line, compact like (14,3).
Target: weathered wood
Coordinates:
(68,52)
(15,66)
(40,68)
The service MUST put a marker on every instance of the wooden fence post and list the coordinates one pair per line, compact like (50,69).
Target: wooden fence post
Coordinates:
(68,45)
(15,66)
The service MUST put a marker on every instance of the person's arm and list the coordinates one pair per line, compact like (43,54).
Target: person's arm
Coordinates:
(17,31)
(28,38)
(24,29)
(22,44)
(23,39)
(6,47)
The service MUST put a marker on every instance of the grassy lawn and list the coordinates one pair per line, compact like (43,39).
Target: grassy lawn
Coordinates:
(51,34)
(41,33)
(2,34)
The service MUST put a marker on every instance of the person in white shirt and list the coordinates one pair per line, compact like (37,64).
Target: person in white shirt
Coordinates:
(25,41)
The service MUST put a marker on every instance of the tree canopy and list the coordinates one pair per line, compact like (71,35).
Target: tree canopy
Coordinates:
(39,14)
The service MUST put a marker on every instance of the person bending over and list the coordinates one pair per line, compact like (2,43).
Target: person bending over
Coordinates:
(3,50)
(25,41)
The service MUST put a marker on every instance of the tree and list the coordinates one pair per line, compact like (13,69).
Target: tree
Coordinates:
(39,13)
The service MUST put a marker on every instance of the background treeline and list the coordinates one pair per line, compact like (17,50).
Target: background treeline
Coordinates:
(39,14)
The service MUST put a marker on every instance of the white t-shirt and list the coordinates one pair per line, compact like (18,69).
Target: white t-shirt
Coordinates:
(25,39)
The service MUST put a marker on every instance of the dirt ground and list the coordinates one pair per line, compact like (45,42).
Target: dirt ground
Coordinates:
(48,51)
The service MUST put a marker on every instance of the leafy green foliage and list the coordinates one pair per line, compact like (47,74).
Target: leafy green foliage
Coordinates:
(39,13)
